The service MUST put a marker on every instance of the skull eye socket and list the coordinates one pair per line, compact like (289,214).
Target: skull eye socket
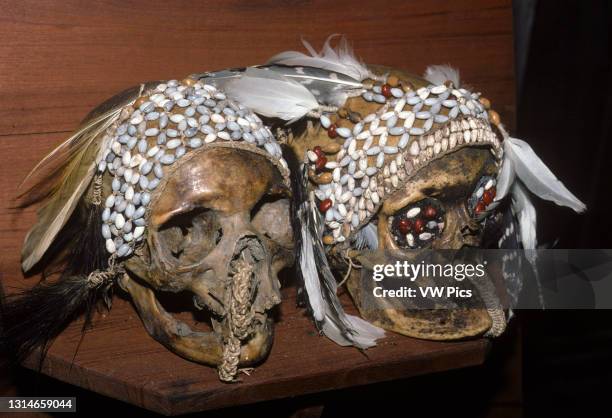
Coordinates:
(480,201)
(191,236)
(271,217)
(418,224)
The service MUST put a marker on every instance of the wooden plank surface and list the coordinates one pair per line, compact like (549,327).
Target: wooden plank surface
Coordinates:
(118,359)
(61,58)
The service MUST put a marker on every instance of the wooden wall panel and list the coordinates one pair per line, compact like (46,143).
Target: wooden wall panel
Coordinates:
(60,58)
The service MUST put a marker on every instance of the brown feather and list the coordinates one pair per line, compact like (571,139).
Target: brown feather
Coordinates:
(72,166)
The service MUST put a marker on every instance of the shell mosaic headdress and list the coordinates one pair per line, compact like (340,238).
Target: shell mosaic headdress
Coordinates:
(138,136)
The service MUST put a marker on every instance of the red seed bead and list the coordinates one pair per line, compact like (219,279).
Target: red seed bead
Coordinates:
(419,225)
(386,90)
(404,226)
(324,205)
(488,196)
(331,131)
(430,212)
(320,163)
(317,150)
(480,207)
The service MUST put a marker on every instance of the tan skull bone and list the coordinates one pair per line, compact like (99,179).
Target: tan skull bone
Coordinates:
(222,212)
(449,180)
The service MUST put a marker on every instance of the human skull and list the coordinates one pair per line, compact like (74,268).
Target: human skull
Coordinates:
(441,194)
(219,213)
(217,226)
(417,174)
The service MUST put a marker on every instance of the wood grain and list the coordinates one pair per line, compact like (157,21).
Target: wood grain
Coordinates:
(118,359)
(61,58)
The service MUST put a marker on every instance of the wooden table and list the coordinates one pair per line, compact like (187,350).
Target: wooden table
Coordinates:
(61,58)
(117,358)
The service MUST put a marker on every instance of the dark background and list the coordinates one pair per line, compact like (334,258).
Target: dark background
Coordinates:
(564,109)
(562,360)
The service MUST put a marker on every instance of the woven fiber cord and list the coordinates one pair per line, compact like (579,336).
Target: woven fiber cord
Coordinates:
(240,320)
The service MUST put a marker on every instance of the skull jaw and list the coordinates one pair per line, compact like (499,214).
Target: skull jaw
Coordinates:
(430,324)
(200,347)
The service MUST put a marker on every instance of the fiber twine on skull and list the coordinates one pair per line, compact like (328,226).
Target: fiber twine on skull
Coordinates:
(240,318)
(492,303)
(351,265)
(99,277)
(96,198)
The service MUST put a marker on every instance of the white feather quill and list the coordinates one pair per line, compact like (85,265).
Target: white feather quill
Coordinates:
(311,276)
(341,59)
(321,287)
(526,215)
(505,179)
(537,177)
(270,94)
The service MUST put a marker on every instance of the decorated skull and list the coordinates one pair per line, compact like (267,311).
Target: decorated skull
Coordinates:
(406,165)
(189,192)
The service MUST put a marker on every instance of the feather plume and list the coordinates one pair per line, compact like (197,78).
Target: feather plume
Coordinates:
(271,95)
(536,176)
(438,74)
(319,282)
(63,154)
(32,318)
(57,212)
(327,87)
(77,174)
(73,165)
(505,179)
(526,215)
(366,237)
(339,60)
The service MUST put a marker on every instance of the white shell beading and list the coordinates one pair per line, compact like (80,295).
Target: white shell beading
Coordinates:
(176,119)
(380,152)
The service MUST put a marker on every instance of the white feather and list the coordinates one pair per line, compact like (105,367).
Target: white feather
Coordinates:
(537,177)
(526,215)
(272,95)
(527,222)
(311,276)
(438,74)
(505,179)
(341,59)
(364,334)
(356,332)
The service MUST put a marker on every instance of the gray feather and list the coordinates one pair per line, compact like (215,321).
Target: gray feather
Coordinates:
(537,177)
